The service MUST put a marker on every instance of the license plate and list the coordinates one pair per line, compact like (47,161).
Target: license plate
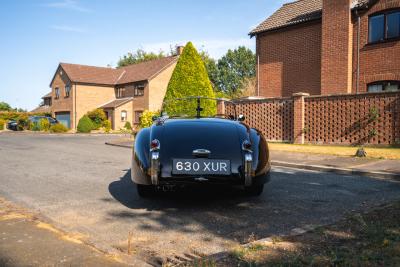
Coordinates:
(201,166)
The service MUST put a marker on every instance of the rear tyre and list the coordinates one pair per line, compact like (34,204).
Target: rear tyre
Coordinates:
(254,190)
(145,191)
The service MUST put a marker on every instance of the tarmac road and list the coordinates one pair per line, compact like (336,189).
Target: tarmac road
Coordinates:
(84,186)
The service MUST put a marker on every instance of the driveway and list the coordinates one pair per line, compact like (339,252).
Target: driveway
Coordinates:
(84,186)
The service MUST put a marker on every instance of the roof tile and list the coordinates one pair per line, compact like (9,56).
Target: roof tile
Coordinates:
(110,76)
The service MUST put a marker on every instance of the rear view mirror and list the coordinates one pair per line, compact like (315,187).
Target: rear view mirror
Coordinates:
(241,117)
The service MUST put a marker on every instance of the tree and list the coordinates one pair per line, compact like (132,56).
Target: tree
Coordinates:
(139,56)
(190,78)
(211,67)
(234,68)
(5,106)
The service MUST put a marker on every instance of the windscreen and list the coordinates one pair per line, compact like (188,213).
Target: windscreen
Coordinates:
(197,107)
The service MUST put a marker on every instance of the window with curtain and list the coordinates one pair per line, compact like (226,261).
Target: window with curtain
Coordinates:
(384,26)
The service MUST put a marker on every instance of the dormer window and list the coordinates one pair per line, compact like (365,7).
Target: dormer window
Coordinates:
(384,26)
(120,92)
(139,90)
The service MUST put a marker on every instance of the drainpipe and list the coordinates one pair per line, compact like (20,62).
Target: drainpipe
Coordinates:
(75,108)
(258,75)
(358,52)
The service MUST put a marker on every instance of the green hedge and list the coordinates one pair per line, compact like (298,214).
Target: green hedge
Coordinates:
(98,117)
(2,123)
(85,125)
(190,78)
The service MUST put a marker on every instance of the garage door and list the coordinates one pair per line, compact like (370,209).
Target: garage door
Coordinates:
(64,118)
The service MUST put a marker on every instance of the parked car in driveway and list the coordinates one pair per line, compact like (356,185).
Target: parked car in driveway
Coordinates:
(13,125)
(181,149)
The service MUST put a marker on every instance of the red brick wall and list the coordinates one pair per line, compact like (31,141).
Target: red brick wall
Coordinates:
(290,60)
(273,117)
(349,119)
(334,119)
(377,61)
(336,47)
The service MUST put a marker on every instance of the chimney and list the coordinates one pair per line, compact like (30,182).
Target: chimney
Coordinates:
(179,50)
(337,47)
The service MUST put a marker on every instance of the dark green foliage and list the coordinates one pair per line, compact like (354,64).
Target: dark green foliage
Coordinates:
(139,56)
(98,117)
(234,68)
(5,106)
(189,78)
(2,123)
(58,128)
(128,125)
(85,125)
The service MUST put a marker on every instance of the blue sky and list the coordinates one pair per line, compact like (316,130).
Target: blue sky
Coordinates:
(37,35)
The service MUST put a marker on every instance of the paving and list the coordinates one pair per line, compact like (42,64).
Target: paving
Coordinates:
(83,186)
(27,241)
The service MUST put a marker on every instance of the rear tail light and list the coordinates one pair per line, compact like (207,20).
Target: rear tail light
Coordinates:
(154,145)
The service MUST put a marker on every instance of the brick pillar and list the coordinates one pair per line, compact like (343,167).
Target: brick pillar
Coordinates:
(337,47)
(298,118)
(221,105)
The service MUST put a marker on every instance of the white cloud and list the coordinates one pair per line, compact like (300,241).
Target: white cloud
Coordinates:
(68,4)
(215,47)
(65,28)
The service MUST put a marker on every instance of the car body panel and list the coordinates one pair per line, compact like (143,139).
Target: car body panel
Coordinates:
(178,139)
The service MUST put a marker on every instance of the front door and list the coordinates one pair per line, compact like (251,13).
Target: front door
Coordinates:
(64,118)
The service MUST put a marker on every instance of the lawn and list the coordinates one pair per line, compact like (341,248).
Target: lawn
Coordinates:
(347,151)
(371,239)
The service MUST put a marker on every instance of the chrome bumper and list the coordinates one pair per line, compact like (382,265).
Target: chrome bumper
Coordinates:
(155,167)
(248,169)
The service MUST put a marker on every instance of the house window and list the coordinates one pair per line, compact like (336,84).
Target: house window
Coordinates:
(139,90)
(124,115)
(384,26)
(67,90)
(386,86)
(57,90)
(138,115)
(120,92)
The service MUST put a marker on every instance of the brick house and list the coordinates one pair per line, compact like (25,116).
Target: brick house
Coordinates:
(45,106)
(325,47)
(123,93)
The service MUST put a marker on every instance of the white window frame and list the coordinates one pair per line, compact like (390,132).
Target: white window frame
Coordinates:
(124,115)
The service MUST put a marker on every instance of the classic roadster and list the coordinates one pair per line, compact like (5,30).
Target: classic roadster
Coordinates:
(196,147)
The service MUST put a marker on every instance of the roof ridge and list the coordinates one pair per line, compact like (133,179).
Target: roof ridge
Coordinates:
(84,65)
(148,61)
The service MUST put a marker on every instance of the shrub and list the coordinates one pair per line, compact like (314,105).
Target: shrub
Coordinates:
(146,120)
(189,78)
(107,126)
(98,117)
(23,122)
(2,122)
(85,125)
(128,125)
(44,125)
(58,128)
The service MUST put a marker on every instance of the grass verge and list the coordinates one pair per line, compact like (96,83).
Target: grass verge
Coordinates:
(371,239)
(347,151)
